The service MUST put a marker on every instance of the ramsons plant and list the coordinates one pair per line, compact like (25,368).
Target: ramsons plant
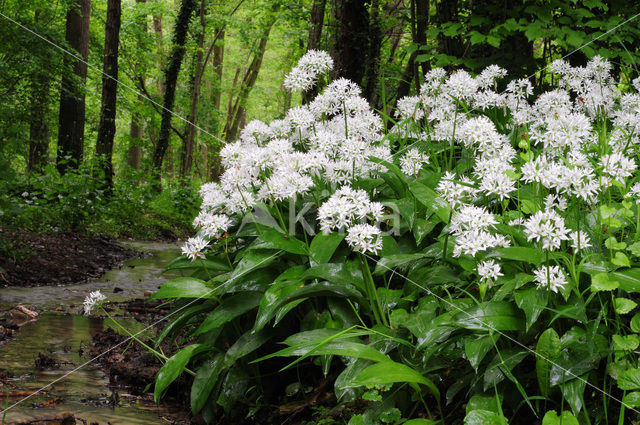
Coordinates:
(476,263)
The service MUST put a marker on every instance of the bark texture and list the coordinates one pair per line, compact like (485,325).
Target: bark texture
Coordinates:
(171,77)
(107,128)
(72,106)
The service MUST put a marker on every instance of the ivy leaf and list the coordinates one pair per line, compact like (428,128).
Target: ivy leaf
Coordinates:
(629,380)
(621,260)
(635,323)
(626,342)
(566,418)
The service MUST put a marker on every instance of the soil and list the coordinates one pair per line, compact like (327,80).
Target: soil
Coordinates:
(33,259)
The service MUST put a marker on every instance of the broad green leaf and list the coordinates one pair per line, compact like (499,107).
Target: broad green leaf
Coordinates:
(211,263)
(533,302)
(518,253)
(178,322)
(552,418)
(612,243)
(323,246)
(602,282)
(547,351)
(183,287)
(392,261)
(272,239)
(429,198)
(174,367)
(336,347)
(629,380)
(252,260)
(626,342)
(278,294)
(234,386)
(628,280)
(573,393)
(493,315)
(247,343)
(484,417)
(484,402)
(631,399)
(228,310)
(421,422)
(634,249)
(476,349)
(501,365)
(389,372)
(635,323)
(204,382)
(347,272)
(619,259)
(624,305)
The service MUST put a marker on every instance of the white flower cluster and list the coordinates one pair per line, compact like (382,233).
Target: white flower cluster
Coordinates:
(194,247)
(304,75)
(412,161)
(471,226)
(550,277)
(489,271)
(93,300)
(548,228)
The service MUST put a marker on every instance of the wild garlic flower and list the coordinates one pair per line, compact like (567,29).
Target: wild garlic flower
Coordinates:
(548,228)
(617,166)
(470,217)
(194,247)
(489,271)
(579,240)
(212,225)
(412,161)
(364,238)
(93,300)
(409,107)
(305,74)
(346,207)
(456,193)
(550,277)
(634,191)
(489,75)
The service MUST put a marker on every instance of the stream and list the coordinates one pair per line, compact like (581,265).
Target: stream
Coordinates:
(62,332)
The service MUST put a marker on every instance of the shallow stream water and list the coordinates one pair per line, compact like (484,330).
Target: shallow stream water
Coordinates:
(66,335)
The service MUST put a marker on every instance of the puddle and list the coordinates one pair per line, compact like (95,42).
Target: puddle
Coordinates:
(66,338)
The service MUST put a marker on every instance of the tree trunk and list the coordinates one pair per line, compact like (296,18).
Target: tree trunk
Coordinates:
(187,157)
(246,86)
(373,54)
(212,157)
(352,42)
(38,126)
(171,78)
(107,128)
(316,21)
(72,106)
(134,155)
(422,22)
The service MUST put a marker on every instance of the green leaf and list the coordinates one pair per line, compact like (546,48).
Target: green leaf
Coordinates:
(628,280)
(210,263)
(179,321)
(183,287)
(624,305)
(475,349)
(620,259)
(174,367)
(484,417)
(228,310)
(493,41)
(272,239)
(602,282)
(429,198)
(635,323)
(493,315)
(389,372)
(547,350)
(629,380)
(323,246)
(626,342)
(204,382)
(634,249)
(533,302)
(391,261)
(518,253)
(501,366)
(421,422)
(631,400)
(552,418)
(247,343)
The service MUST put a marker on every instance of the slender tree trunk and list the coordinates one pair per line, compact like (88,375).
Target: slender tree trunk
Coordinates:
(422,22)
(213,157)
(248,82)
(171,77)
(107,128)
(187,157)
(38,126)
(373,54)
(316,21)
(72,106)
(352,42)
(134,155)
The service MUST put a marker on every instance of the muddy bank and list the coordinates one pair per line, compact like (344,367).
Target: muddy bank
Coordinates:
(32,259)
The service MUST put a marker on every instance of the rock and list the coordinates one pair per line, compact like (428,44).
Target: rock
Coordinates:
(148,293)
(63,418)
